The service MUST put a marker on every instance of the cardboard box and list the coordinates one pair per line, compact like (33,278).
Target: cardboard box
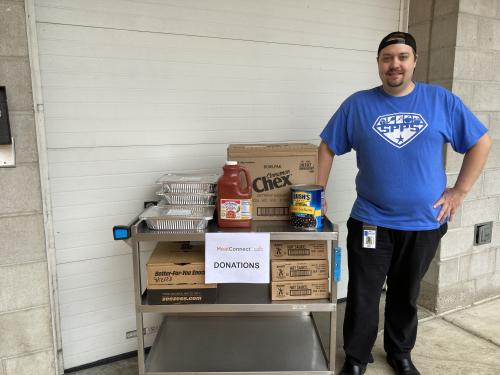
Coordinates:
(176,263)
(282,270)
(183,294)
(307,289)
(274,168)
(299,250)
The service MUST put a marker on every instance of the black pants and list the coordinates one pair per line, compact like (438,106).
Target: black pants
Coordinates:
(401,256)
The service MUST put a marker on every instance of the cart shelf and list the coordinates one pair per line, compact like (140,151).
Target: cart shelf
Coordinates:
(279,230)
(237,344)
(242,298)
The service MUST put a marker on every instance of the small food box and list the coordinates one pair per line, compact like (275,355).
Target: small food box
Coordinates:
(176,274)
(176,263)
(299,250)
(183,294)
(299,269)
(307,289)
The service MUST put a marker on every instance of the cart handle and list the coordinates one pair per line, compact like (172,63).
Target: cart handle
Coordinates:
(124,232)
(121,232)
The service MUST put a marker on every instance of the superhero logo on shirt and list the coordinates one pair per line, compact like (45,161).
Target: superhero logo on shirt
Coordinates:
(399,129)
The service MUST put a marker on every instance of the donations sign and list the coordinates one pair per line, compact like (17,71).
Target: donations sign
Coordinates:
(237,258)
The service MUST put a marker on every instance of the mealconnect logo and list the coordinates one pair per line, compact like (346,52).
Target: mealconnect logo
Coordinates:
(240,249)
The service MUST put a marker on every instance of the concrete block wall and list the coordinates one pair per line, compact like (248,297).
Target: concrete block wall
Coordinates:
(26,335)
(459,40)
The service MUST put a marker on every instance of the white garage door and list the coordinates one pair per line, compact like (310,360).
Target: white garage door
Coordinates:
(133,89)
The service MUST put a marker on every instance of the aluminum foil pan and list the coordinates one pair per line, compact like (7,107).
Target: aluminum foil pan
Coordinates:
(177,217)
(188,199)
(164,204)
(188,183)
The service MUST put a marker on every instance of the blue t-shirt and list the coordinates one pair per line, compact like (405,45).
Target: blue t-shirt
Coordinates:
(399,153)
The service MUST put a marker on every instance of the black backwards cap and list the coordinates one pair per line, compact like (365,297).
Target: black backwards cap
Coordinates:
(398,37)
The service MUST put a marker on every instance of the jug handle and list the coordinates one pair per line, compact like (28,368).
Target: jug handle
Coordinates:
(248,179)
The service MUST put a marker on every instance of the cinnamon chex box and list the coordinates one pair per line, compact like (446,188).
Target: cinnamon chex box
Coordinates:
(274,168)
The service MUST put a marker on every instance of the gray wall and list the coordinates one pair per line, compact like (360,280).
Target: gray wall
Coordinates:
(458,49)
(26,339)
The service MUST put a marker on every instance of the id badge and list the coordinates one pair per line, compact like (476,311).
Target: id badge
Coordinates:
(369,236)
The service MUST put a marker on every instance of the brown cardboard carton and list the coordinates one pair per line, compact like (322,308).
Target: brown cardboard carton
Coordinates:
(299,250)
(274,168)
(282,270)
(306,289)
(183,294)
(175,263)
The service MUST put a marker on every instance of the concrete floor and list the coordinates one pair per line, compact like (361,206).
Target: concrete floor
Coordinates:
(464,342)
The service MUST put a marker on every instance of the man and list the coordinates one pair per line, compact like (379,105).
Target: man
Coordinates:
(398,131)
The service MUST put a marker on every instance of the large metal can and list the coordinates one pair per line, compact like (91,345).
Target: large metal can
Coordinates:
(306,206)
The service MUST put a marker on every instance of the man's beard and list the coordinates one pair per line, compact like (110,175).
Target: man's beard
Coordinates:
(398,82)
(395,84)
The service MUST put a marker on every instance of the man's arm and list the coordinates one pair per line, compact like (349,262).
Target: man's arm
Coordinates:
(325,160)
(472,165)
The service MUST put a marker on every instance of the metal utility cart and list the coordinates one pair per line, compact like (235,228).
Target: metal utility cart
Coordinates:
(244,332)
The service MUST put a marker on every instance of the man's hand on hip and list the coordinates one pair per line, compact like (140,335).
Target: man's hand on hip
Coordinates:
(449,201)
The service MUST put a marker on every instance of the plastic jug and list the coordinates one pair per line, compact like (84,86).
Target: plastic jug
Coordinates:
(234,201)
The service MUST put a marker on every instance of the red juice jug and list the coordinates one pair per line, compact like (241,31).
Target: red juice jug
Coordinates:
(234,201)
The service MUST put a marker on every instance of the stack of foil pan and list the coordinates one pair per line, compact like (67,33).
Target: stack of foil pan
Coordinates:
(188,202)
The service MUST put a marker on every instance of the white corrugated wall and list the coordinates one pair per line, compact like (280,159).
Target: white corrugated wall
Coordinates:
(133,89)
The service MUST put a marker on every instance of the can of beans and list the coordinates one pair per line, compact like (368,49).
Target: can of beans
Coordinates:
(306,206)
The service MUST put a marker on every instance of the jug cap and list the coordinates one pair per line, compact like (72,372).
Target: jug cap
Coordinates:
(230,162)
